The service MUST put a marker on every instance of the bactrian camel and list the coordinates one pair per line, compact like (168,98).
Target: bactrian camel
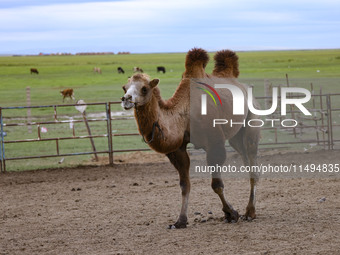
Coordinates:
(166,125)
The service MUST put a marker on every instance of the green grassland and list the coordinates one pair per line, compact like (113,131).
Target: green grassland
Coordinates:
(59,72)
(320,67)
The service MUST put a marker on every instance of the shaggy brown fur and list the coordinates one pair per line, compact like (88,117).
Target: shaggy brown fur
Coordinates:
(195,63)
(226,64)
(140,77)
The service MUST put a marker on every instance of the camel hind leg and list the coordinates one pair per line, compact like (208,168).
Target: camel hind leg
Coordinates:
(246,144)
(216,155)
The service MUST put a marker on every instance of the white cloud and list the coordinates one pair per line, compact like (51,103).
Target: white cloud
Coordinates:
(123,17)
(101,11)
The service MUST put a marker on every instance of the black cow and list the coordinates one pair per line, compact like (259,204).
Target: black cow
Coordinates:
(34,70)
(120,70)
(160,69)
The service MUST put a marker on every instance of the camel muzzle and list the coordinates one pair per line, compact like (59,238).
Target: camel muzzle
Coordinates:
(126,98)
(127,103)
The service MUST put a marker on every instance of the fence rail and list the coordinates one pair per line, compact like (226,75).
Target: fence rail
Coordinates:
(322,124)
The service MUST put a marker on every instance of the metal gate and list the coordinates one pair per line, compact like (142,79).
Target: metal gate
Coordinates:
(325,124)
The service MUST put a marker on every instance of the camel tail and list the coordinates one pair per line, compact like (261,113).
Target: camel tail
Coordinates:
(226,64)
(196,57)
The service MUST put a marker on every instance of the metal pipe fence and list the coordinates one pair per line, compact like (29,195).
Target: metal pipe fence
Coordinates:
(321,122)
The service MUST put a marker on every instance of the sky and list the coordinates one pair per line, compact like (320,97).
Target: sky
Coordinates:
(148,26)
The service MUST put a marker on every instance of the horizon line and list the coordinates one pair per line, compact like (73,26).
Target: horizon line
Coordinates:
(165,52)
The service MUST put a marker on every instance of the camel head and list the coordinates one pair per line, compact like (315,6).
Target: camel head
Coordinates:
(138,90)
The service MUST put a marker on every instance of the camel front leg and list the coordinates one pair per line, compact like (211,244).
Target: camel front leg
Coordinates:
(181,162)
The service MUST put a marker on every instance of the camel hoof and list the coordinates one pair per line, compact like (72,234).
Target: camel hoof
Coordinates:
(171,227)
(250,214)
(231,217)
(177,225)
(232,221)
(247,218)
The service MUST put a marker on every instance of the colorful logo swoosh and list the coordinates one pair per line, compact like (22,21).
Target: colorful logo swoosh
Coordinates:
(208,92)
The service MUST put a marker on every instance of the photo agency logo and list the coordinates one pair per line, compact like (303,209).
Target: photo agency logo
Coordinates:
(204,97)
(239,99)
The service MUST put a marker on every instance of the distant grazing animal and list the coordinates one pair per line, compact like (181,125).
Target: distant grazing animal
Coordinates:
(137,69)
(97,70)
(120,70)
(167,126)
(34,70)
(67,93)
(160,69)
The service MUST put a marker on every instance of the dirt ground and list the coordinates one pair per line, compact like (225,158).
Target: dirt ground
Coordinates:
(126,209)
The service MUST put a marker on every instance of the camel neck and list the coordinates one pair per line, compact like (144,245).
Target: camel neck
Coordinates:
(163,123)
(148,119)
(149,112)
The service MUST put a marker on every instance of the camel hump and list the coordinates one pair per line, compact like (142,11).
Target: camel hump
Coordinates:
(196,57)
(226,64)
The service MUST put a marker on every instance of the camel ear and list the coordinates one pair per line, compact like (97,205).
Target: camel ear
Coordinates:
(154,83)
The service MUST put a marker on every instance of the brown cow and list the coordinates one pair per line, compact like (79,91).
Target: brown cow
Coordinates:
(67,93)
(137,69)
(34,70)
(97,70)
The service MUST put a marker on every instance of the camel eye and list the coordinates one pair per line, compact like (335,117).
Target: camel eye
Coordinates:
(144,90)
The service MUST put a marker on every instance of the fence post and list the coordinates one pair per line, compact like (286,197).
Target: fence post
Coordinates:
(91,139)
(315,114)
(29,115)
(291,106)
(322,119)
(2,147)
(329,123)
(329,106)
(109,131)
